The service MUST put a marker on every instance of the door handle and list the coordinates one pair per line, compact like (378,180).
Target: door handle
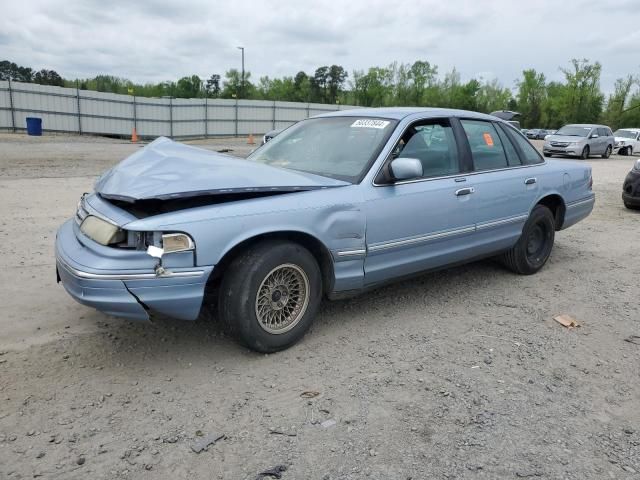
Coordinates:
(530,181)
(465,191)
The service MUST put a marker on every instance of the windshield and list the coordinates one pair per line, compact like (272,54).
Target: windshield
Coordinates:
(574,131)
(625,134)
(336,147)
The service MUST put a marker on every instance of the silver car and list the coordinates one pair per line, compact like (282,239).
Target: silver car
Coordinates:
(580,140)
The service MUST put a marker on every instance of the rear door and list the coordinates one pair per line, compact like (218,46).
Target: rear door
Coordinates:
(506,184)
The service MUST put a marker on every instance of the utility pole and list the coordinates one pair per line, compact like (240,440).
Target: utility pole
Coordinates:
(242,83)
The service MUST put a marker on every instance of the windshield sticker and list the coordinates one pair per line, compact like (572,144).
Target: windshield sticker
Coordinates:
(369,123)
(488,140)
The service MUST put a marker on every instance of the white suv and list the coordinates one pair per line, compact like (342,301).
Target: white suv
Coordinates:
(627,141)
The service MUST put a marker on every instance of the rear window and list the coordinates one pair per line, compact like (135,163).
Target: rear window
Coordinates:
(530,154)
(486,147)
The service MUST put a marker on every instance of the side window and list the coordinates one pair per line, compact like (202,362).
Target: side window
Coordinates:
(530,154)
(512,155)
(602,132)
(434,145)
(486,147)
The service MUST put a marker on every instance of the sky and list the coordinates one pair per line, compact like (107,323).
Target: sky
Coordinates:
(156,40)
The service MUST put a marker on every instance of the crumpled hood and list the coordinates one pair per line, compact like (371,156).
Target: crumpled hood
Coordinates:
(165,169)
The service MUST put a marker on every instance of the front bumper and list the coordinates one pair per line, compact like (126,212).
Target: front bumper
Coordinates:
(631,189)
(131,293)
(568,151)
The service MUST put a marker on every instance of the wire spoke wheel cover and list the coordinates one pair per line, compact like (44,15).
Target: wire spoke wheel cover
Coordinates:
(282,298)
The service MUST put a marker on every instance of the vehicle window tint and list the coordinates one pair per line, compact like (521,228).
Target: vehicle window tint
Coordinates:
(602,132)
(512,155)
(530,154)
(434,145)
(486,147)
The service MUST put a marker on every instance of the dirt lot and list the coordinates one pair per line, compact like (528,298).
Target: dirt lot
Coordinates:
(457,374)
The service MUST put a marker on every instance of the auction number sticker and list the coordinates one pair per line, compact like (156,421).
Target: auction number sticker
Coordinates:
(488,139)
(369,123)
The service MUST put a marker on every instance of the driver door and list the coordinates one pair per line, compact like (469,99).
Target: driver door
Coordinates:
(422,223)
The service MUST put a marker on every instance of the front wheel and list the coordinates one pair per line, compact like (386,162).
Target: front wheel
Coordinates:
(607,152)
(534,246)
(270,295)
(585,153)
(546,154)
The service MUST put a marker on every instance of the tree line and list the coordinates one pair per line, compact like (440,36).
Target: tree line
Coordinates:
(545,104)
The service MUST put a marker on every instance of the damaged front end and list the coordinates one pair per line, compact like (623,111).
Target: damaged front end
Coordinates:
(128,273)
(144,241)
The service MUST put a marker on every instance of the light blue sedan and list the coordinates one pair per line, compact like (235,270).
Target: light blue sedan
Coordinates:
(332,206)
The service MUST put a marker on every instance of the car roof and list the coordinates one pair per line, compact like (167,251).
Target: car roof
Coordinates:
(398,113)
(591,125)
(635,130)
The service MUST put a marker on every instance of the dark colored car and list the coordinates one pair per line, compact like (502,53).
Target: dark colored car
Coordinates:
(631,188)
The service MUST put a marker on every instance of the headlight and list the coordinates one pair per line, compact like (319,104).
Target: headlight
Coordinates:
(101,231)
(572,144)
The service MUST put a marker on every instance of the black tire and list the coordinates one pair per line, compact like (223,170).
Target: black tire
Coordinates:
(630,207)
(534,246)
(630,151)
(607,152)
(238,302)
(546,154)
(585,152)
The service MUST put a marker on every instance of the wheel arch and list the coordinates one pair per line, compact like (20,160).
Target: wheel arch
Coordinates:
(315,246)
(557,205)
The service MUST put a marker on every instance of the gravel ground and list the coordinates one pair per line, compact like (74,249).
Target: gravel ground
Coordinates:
(456,374)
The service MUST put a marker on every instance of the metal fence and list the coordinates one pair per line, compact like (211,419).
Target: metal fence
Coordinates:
(85,111)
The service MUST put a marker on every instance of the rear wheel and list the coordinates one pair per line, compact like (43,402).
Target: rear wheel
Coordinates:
(270,295)
(607,152)
(585,153)
(631,207)
(534,246)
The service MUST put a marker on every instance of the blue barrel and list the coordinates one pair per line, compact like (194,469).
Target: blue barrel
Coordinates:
(34,126)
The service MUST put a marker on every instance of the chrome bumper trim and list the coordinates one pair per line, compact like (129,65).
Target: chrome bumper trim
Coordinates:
(127,276)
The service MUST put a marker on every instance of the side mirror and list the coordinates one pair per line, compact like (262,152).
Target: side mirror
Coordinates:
(405,168)
(595,135)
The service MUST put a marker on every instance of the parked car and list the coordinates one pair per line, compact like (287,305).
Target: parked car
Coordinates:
(270,134)
(534,133)
(509,117)
(631,188)
(580,140)
(627,141)
(334,205)
(524,131)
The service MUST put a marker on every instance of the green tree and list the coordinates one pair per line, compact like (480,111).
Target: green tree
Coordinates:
(618,102)
(336,76)
(531,97)
(10,70)
(493,96)
(583,99)
(233,87)
(189,87)
(212,87)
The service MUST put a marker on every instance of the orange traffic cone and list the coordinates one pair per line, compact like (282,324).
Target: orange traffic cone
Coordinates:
(134,136)
(250,141)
